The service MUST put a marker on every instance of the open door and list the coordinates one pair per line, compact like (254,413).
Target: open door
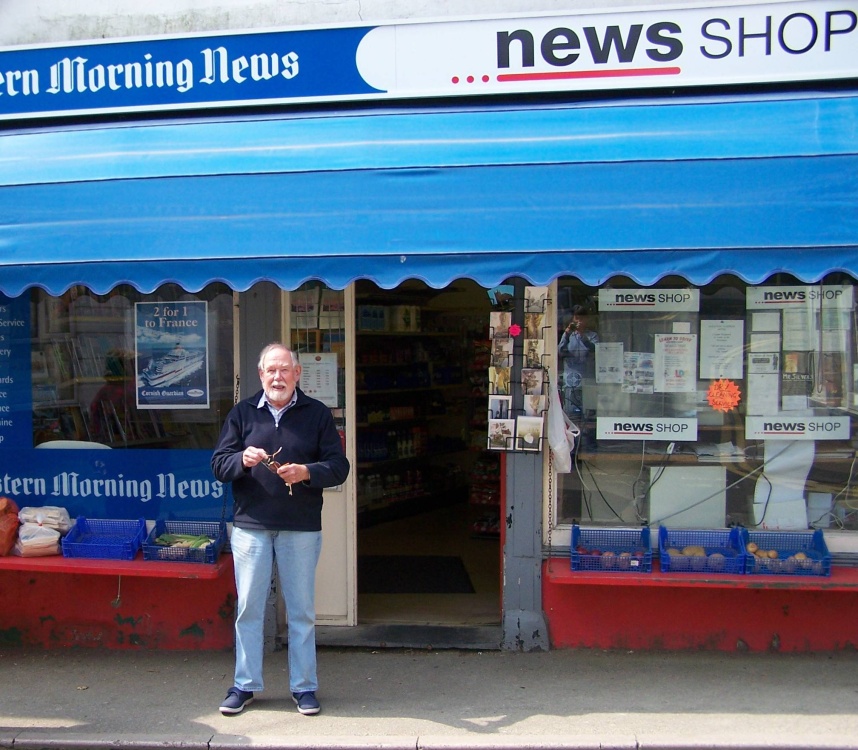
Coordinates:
(428,497)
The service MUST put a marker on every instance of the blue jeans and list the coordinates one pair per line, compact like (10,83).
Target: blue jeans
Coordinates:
(297,553)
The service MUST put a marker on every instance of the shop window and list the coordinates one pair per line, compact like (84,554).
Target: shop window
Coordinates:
(132,370)
(727,404)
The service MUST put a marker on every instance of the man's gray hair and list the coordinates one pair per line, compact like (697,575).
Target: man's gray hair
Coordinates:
(277,345)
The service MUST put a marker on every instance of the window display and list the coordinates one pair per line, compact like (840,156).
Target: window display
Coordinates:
(723,405)
(132,370)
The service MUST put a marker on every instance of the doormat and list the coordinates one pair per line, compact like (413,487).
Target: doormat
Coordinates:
(412,574)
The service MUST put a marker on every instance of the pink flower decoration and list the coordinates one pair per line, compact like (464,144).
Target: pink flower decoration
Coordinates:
(515,330)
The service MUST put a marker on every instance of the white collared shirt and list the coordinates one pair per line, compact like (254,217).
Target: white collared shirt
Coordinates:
(275,412)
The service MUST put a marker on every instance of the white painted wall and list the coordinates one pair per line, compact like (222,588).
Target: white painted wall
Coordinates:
(54,21)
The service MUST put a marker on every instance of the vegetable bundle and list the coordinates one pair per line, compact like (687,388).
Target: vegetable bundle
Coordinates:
(190,541)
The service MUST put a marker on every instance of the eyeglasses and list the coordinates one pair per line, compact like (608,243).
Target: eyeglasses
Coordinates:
(269,463)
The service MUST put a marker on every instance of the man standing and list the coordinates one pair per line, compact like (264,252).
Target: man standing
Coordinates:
(277,516)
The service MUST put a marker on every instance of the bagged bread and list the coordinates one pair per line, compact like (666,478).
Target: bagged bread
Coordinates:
(51,516)
(36,541)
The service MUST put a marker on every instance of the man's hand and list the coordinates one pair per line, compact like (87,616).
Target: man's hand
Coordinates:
(292,473)
(252,456)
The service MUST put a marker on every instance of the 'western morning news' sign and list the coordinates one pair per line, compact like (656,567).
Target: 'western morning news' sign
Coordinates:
(186,72)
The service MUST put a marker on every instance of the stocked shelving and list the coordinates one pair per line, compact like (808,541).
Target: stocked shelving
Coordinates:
(414,407)
(484,495)
(411,416)
(82,353)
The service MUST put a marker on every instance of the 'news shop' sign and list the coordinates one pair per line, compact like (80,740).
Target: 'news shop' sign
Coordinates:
(785,427)
(646,428)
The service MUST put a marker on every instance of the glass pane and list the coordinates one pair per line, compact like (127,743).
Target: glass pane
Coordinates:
(127,369)
(709,407)
(318,326)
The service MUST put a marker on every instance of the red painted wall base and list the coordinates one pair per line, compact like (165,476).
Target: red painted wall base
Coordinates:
(662,611)
(45,607)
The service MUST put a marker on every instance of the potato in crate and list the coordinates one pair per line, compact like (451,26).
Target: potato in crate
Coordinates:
(104,538)
(792,553)
(700,551)
(185,541)
(613,550)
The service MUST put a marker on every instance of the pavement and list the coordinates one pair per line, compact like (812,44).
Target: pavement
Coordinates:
(434,699)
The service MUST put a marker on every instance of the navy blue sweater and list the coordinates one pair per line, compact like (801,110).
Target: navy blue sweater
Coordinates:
(307,435)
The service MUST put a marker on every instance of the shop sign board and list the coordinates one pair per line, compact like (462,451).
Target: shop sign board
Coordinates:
(646,428)
(786,297)
(630,48)
(788,427)
(129,483)
(649,300)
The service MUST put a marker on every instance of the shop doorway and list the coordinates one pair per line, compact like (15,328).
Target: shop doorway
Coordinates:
(428,491)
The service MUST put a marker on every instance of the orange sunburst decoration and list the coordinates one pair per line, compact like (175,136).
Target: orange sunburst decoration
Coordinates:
(723,395)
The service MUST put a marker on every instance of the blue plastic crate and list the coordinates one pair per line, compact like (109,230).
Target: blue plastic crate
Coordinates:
(208,554)
(611,550)
(104,538)
(723,551)
(813,556)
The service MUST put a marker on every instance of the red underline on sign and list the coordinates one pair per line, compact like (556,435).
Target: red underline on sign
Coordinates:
(558,76)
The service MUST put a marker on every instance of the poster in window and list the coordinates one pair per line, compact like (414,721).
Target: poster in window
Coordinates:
(721,349)
(609,362)
(171,355)
(796,380)
(675,363)
(761,394)
(799,330)
(319,377)
(638,372)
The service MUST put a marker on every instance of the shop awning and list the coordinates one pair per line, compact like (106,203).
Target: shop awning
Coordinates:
(694,187)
